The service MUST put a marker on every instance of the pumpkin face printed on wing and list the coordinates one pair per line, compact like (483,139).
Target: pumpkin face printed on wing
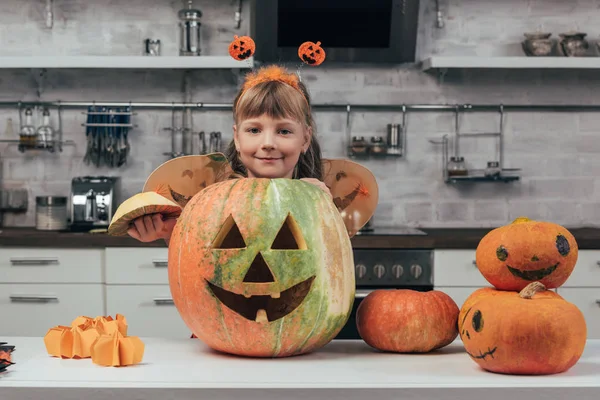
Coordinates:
(262,267)
(311,53)
(521,333)
(512,256)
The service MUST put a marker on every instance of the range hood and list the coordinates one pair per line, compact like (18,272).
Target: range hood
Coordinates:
(350,31)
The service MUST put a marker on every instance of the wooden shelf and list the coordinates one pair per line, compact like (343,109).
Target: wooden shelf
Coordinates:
(126,62)
(520,62)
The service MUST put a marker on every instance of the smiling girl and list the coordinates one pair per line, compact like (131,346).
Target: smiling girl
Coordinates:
(273,137)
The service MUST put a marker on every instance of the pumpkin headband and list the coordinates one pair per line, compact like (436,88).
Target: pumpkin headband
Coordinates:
(269,74)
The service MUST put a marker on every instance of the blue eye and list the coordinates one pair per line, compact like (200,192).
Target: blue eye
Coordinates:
(285,131)
(252,130)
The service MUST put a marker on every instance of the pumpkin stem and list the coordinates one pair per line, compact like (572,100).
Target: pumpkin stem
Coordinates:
(520,220)
(531,289)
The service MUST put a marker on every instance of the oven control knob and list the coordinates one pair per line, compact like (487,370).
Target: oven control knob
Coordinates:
(416,271)
(361,271)
(397,271)
(379,270)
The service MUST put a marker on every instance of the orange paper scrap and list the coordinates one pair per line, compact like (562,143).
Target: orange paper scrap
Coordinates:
(89,337)
(117,350)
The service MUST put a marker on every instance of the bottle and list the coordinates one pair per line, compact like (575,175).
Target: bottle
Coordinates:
(45,133)
(27,135)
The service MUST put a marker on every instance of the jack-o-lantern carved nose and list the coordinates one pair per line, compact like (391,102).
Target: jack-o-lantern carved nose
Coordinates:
(259,271)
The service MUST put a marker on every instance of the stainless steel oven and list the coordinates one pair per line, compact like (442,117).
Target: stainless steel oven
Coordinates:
(388,268)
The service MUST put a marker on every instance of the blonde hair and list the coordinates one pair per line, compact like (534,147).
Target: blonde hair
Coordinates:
(278,99)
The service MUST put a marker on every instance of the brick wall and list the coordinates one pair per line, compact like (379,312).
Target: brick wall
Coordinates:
(558,152)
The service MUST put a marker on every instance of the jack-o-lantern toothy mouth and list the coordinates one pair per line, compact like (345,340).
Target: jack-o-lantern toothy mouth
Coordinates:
(534,275)
(264,308)
(482,355)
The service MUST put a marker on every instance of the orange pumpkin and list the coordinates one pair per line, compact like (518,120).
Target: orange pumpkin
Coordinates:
(524,333)
(514,255)
(311,53)
(241,47)
(262,267)
(491,292)
(407,321)
(5,356)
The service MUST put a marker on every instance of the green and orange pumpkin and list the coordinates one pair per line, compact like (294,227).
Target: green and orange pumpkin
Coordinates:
(512,256)
(407,321)
(530,332)
(262,267)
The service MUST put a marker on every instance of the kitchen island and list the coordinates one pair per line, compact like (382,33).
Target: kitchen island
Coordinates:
(186,369)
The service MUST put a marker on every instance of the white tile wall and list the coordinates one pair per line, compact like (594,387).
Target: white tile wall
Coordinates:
(559,152)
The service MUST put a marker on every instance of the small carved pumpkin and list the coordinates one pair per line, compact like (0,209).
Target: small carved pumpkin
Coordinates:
(514,255)
(524,333)
(241,47)
(262,267)
(311,53)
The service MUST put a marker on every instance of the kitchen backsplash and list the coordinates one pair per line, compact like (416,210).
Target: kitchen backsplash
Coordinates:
(559,153)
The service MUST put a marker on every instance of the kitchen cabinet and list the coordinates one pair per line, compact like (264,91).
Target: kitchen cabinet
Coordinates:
(44,287)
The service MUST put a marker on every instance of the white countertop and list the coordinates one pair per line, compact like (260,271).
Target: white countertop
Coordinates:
(187,369)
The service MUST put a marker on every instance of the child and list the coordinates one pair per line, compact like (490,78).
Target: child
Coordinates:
(273,137)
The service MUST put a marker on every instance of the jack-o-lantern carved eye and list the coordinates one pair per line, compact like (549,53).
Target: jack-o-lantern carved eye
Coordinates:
(477,321)
(289,236)
(501,253)
(562,244)
(229,237)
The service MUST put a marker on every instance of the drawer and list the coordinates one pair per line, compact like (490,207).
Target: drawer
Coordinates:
(37,265)
(31,309)
(149,310)
(588,301)
(456,268)
(587,270)
(131,265)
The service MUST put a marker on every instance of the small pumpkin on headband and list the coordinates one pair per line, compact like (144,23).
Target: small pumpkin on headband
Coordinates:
(311,53)
(241,47)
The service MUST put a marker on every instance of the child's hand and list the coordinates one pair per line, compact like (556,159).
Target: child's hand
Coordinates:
(152,227)
(319,184)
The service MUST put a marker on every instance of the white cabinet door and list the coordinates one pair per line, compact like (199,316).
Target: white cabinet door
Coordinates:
(588,301)
(31,309)
(135,265)
(149,310)
(456,268)
(48,265)
(586,271)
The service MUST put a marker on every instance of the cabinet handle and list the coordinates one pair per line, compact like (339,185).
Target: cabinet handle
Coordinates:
(598,263)
(598,302)
(475,263)
(160,263)
(162,301)
(361,294)
(32,299)
(33,260)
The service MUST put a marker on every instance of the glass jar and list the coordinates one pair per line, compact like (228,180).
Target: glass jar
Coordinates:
(378,145)
(359,145)
(457,167)
(51,213)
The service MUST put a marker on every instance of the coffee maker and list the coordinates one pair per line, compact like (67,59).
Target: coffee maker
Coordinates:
(94,200)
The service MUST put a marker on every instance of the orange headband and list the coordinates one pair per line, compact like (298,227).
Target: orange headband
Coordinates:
(271,73)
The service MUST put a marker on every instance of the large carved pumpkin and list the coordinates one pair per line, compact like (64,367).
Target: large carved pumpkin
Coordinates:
(262,267)
(524,333)
(512,256)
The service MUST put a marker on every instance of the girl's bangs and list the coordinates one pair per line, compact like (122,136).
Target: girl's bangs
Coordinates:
(275,99)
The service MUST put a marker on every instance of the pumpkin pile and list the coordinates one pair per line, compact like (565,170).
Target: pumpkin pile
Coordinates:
(6,356)
(518,326)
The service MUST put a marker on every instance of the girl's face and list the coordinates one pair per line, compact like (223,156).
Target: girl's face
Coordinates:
(270,148)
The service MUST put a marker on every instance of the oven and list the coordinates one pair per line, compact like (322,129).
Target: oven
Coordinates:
(388,269)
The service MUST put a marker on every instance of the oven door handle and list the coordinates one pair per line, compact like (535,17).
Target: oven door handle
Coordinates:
(362,293)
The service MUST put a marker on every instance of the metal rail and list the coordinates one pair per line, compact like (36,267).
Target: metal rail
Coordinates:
(332,107)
